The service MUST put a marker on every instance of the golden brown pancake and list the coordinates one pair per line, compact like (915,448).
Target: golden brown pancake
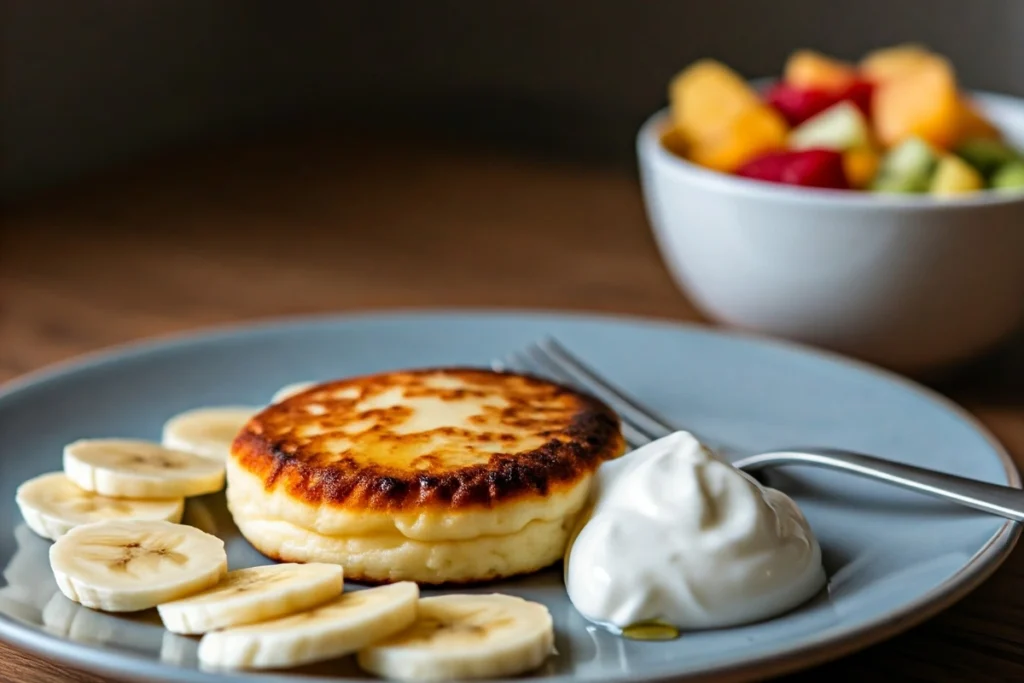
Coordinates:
(404,475)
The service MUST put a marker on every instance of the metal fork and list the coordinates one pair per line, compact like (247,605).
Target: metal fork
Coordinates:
(641,425)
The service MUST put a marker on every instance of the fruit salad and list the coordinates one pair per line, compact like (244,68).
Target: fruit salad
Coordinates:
(896,121)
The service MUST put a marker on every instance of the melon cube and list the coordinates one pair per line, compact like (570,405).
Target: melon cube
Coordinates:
(896,62)
(674,142)
(924,104)
(861,165)
(705,97)
(810,69)
(972,124)
(743,137)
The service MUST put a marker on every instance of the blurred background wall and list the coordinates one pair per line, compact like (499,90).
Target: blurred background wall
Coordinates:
(91,83)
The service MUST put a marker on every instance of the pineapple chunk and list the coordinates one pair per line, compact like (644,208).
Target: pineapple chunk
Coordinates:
(953,175)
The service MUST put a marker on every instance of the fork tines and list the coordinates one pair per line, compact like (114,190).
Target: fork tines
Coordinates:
(548,358)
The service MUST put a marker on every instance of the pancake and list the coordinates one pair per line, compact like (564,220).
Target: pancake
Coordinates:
(435,476)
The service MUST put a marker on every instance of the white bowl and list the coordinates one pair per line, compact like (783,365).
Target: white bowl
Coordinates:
(911,282)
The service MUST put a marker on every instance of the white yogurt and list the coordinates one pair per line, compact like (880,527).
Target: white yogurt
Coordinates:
(678,535)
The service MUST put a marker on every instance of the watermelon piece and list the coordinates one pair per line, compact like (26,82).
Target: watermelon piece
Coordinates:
(799,104)
(807,168)
(860,93)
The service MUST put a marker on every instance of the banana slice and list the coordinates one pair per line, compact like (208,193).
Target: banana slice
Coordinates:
(290,390)
(127,566)
(52,506)
(466,636)
(247,596)
(206,431)
(128,468)
(337,628)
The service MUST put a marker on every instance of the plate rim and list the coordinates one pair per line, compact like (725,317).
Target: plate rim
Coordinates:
(814,651)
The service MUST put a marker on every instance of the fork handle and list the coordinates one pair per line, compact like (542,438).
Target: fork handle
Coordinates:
(1003,501)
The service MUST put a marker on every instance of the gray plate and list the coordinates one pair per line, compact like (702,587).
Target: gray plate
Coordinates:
(893,558)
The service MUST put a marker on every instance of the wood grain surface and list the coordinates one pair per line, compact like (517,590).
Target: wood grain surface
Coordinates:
(324,224)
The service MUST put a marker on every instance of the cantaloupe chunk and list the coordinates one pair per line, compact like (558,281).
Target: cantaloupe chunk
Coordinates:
(705,97)
(924,103)
(861,165)
(674,142)
(748,134)
(810,69)
(972,124)
(895,62)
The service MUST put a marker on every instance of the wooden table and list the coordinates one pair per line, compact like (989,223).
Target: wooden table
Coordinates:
(326,225)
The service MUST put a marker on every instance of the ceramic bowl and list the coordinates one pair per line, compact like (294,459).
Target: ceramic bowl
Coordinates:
(911,282)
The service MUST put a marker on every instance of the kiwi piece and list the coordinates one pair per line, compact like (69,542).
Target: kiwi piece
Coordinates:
(908,167)
(1009,177)
(985,155)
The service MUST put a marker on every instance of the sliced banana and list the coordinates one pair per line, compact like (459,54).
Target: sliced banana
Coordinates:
(129,468)
(247,596)
(52,506)
(290,390)
(127,566)
(336,628)
(466,636)
(206,431)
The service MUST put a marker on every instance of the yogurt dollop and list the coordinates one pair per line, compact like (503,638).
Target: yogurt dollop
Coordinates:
(678,535)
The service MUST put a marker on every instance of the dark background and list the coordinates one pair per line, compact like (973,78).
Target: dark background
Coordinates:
(90,83)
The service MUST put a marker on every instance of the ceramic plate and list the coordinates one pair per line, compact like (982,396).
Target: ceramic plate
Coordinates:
(893,558)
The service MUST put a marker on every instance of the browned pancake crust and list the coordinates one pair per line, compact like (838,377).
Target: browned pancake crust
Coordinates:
(580,433)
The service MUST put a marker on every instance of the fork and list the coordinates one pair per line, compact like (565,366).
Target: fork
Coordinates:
(641,425)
